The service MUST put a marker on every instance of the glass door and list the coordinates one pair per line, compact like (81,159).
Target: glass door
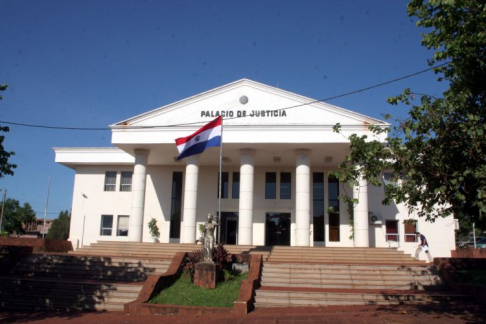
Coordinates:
(277,229)
(229,228)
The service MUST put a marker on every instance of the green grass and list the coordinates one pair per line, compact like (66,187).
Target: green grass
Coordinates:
(183,292)
(477,277)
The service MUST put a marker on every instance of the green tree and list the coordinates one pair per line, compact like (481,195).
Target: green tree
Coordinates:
(16,217)
(439,149)
(60,227)
(6,168)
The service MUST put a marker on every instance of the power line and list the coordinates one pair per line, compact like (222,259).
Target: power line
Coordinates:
(199,122)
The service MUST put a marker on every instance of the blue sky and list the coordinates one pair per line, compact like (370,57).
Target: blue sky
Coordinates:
(93,63)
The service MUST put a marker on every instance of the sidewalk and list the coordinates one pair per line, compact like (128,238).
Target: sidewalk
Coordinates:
(440,313)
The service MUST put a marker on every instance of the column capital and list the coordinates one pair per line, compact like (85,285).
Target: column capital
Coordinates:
(247,151)
(141,152)
(303,152)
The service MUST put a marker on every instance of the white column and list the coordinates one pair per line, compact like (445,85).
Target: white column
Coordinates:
(188,234)
(245,219)
(138,195)
(360,211)
(302,197)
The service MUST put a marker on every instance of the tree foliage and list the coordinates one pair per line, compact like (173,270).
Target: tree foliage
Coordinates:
(16,218)
(60,227)
(6,168)
(439,149)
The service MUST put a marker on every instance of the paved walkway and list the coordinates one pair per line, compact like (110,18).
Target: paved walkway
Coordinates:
(442,313)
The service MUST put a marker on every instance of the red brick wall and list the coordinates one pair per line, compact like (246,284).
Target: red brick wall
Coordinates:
(469,253)
(38,245)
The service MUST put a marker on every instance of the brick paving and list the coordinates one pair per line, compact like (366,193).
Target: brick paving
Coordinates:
(438,313)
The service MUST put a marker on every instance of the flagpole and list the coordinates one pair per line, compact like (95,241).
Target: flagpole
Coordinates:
(220,176)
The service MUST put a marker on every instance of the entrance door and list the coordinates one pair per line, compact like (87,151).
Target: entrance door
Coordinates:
(229,228)
(277,229)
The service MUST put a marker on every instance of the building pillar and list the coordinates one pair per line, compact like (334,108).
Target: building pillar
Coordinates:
(302,197)
(245,219)
(138,195)
(360,212)
(188,234)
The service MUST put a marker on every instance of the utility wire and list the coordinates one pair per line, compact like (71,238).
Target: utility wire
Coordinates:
(226,118)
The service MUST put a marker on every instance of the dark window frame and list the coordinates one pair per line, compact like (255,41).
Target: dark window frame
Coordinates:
(318,206)
(285,187)
(270,185)
(392,230)
(109,184)
(224,186)
(235,186)
(103,226)
(126,181)
(176,205)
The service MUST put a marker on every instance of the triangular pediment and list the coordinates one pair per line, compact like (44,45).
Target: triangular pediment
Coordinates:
(248,103)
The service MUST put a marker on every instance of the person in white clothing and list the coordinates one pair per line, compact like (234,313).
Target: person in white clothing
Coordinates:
(423,246)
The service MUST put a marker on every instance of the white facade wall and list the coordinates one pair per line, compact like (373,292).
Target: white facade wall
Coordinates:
(272,139)
(89,181)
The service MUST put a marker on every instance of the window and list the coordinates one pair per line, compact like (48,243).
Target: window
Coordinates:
(318,205)
(285,185)
(236,185)
(176,206)
(410,230)
(122,226)
(392,231)
(334,216)
(270,185)
(126,181)
(110,180)
(106,225)
(224,184)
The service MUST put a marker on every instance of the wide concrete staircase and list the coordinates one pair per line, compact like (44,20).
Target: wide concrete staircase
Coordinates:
(69,282)
(293,277)
(102,276)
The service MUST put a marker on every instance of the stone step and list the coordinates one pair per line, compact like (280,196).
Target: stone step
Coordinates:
(88,272)
(326,283)
(103,277)
(94,259)
(169,246)
(321,249)
(14,305)
(68,284)
(354,285)
(164,248)
(348,278)
(24,266)
(414,268)
(65,297)
(348,260)
(346,271)
(29,294)
(290,298)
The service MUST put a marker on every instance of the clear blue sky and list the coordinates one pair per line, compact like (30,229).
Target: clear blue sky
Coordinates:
(93,63)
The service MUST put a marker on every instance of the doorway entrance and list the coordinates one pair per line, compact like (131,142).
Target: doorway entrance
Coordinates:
(277,229)
(229,228)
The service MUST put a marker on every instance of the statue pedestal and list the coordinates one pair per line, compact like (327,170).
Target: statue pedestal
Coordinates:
(205,275)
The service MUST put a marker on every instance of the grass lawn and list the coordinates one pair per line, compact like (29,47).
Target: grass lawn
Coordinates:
(476,277)
(183,292)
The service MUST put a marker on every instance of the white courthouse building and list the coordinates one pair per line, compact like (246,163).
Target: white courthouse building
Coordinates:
(278,151)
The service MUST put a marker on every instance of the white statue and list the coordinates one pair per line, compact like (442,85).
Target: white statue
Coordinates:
(208,246)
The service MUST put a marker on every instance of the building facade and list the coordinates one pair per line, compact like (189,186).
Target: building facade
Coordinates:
(278,152)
